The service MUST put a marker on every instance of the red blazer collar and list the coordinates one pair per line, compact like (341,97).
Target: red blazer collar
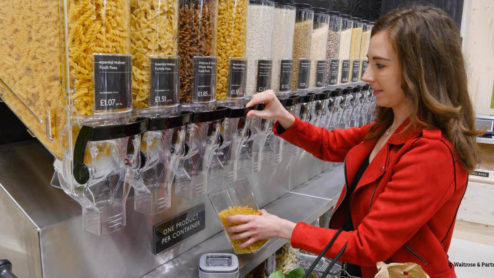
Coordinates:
(404,133)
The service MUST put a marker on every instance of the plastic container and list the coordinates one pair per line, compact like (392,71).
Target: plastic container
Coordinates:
(202,140)
(47,75)
(355,49)
(237,199)
(302,46)
(230,42)
(260,21)
(161,147)
(319,44)
(333,48)
(155,63)
(345,46)
(336,108)
(197,51)
(282,46)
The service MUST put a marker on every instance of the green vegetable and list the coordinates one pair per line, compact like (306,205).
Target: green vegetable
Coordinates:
(298,272)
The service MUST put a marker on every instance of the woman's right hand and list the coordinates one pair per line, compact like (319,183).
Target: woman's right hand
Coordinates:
(274,110)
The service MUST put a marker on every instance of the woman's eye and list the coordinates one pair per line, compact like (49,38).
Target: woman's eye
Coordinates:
(379,66)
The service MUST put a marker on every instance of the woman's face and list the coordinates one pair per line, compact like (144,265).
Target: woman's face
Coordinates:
(384,72)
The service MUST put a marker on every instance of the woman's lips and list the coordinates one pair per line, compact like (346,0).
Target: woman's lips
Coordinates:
(376,92)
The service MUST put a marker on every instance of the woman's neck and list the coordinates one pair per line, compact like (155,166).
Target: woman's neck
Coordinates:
(400,114)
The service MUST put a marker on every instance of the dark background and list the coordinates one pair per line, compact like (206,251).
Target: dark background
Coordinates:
(373,9)
(12,130)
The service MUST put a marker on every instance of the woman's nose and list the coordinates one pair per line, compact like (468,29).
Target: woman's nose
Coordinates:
(367,77)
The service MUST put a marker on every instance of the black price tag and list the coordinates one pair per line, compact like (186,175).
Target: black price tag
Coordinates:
(237,78)
(204,79)
(321,73)
(355,70)
(264,69)
(164,81)
(286,75)
(365,64)
(172,231)
(345,71)
(112,82)
(334,65)
(303,74)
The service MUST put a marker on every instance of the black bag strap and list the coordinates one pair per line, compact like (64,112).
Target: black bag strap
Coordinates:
(333,262)
(319,257)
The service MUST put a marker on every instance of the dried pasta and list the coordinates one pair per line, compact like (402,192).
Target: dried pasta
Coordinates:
(95,26)
(230,40)
(236,210)
(154,31)
(30,67)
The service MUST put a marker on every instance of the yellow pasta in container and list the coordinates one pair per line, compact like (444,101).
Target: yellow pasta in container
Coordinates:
(48,78)
(237,210)
(30,67)
(155,64)
(230,42)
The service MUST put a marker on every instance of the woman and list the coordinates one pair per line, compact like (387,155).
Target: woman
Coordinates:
(407,172)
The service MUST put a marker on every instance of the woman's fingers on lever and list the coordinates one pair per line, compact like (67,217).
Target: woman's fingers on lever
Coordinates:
(265,97)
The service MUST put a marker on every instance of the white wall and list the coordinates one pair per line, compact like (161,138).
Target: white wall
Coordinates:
(478,50)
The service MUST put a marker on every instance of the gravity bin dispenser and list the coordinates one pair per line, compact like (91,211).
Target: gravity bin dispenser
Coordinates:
(140,119)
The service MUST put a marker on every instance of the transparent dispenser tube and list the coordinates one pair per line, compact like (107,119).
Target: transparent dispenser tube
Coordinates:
(319,43)
(224,167)
(336,109)
(345,48)
(282,47)
(197,51)
(302,46)
(357,106)
(320,110)
(97,176)
(260,18)
(161,148)
(203,138)
(231,42)
(333,48)
(346,104)
(155,61)
(355,50)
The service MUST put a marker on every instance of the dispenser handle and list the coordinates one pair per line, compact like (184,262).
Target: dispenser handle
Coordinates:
(100,133)
(6,269)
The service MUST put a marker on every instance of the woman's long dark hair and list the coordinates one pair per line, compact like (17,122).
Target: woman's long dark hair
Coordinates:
(427,42)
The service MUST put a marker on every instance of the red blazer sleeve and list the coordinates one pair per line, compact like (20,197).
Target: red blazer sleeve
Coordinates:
(329,145)
(421,183)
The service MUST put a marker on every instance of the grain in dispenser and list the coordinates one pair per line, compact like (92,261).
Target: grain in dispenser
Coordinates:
(301,47)
(260,19)
(319,43)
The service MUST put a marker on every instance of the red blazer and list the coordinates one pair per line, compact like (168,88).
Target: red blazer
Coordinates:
(404,206)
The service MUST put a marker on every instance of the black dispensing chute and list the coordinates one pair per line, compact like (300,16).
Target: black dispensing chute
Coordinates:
(6,269)
(174,121)
(100,133)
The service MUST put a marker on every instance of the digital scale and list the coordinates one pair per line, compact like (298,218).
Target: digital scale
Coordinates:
(219,265)
(486,122)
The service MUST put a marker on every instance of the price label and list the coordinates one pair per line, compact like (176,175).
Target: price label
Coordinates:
(112,82)
(345,71)
(355,70)
(334,65)
(303,74)
(204,79)
(286,75)
(164,81)
(237,78)
(321,73)
(264,69)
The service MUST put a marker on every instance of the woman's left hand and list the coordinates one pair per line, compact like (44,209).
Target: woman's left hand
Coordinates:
(257,227)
